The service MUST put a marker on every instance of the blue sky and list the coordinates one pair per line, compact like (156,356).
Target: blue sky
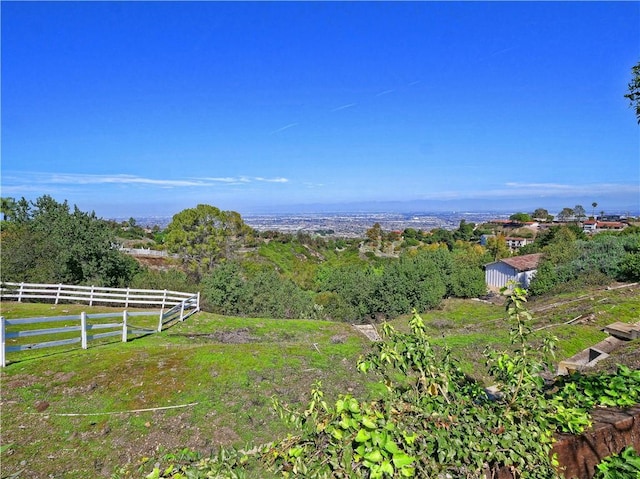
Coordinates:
(147,108)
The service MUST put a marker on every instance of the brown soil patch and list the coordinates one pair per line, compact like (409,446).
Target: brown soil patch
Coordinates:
(235,336)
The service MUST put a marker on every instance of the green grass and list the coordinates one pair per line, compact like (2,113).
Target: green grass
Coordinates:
(232,385)
(230,368)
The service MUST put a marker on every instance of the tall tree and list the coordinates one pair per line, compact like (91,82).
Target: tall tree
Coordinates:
(566,214)
(50,243)
(374,235)
(8,208)
(497,247)
(520,217)
(634,90)
(205,235)
(464,231)
(540,214)
(579,212)
(594,205)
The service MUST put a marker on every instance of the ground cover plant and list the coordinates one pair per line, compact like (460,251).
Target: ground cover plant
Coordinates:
(620,466)
(434,419)
(202,384)
(230,367)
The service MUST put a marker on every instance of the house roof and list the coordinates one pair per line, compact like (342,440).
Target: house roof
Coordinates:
(610,224)
(526,262)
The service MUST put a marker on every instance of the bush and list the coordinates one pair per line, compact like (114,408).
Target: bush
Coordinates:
(433,422)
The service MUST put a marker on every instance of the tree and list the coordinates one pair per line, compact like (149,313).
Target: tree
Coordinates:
(520,217)
(8,208)
(579,212)
(204,235)
(441,235)
(464,231)
(47,242)
(634,90)
(223,288)
(566,214)
(374,235)
(497,247)
(540,214)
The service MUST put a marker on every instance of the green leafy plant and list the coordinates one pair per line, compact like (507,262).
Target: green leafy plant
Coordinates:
(434,420)
(621,389)
(625,465)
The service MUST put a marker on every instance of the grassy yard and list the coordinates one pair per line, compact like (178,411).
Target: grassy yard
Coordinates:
(73,413)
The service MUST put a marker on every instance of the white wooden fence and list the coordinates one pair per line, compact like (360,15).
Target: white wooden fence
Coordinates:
(94,294)
(183,306)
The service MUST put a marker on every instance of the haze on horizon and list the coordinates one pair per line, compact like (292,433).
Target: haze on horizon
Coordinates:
(147,108)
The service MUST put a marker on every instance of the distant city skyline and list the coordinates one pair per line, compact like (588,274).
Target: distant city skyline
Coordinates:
(134,109)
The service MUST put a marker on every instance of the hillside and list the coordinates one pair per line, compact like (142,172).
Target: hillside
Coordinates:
(208,382)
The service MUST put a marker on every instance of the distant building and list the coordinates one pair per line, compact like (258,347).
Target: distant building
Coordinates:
(520,269)
(593,226)
(515,243)
(589,226)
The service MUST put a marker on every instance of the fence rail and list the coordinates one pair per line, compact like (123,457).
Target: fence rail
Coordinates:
(183,306)
(92,294)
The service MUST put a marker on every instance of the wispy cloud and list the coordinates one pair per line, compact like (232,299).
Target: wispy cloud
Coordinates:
(271,180)
(57,178)
(344,107)
(286,127)
(385,92)
(26,181)
(228,179)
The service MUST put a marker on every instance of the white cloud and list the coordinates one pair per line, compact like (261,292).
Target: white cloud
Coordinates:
(272,180)
(26,181)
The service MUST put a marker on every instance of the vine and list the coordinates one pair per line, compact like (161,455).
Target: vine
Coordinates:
(434,420)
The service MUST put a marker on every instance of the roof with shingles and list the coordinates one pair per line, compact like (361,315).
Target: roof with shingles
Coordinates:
(526,262)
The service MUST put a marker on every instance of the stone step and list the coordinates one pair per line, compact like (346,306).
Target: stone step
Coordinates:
(623,330)
(369,330)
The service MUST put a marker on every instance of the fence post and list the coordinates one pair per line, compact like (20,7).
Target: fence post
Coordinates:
(83,329)
(126,301)
(2,343)
(198,305)
(164,299)
(91,297)
(160,321)
(58,294)
(182,311)
(20,293)
(124,326)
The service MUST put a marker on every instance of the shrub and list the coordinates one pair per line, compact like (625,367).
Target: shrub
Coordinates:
(433,422)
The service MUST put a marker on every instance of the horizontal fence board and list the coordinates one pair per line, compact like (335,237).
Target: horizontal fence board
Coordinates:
(140,313)
(48,344)
(45,319)
(103,326)
(109,315)
(141,331)
(40,332)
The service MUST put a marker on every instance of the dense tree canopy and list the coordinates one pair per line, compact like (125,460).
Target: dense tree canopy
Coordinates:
(46,241)
(540,214)
(204,235)
(520,217)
